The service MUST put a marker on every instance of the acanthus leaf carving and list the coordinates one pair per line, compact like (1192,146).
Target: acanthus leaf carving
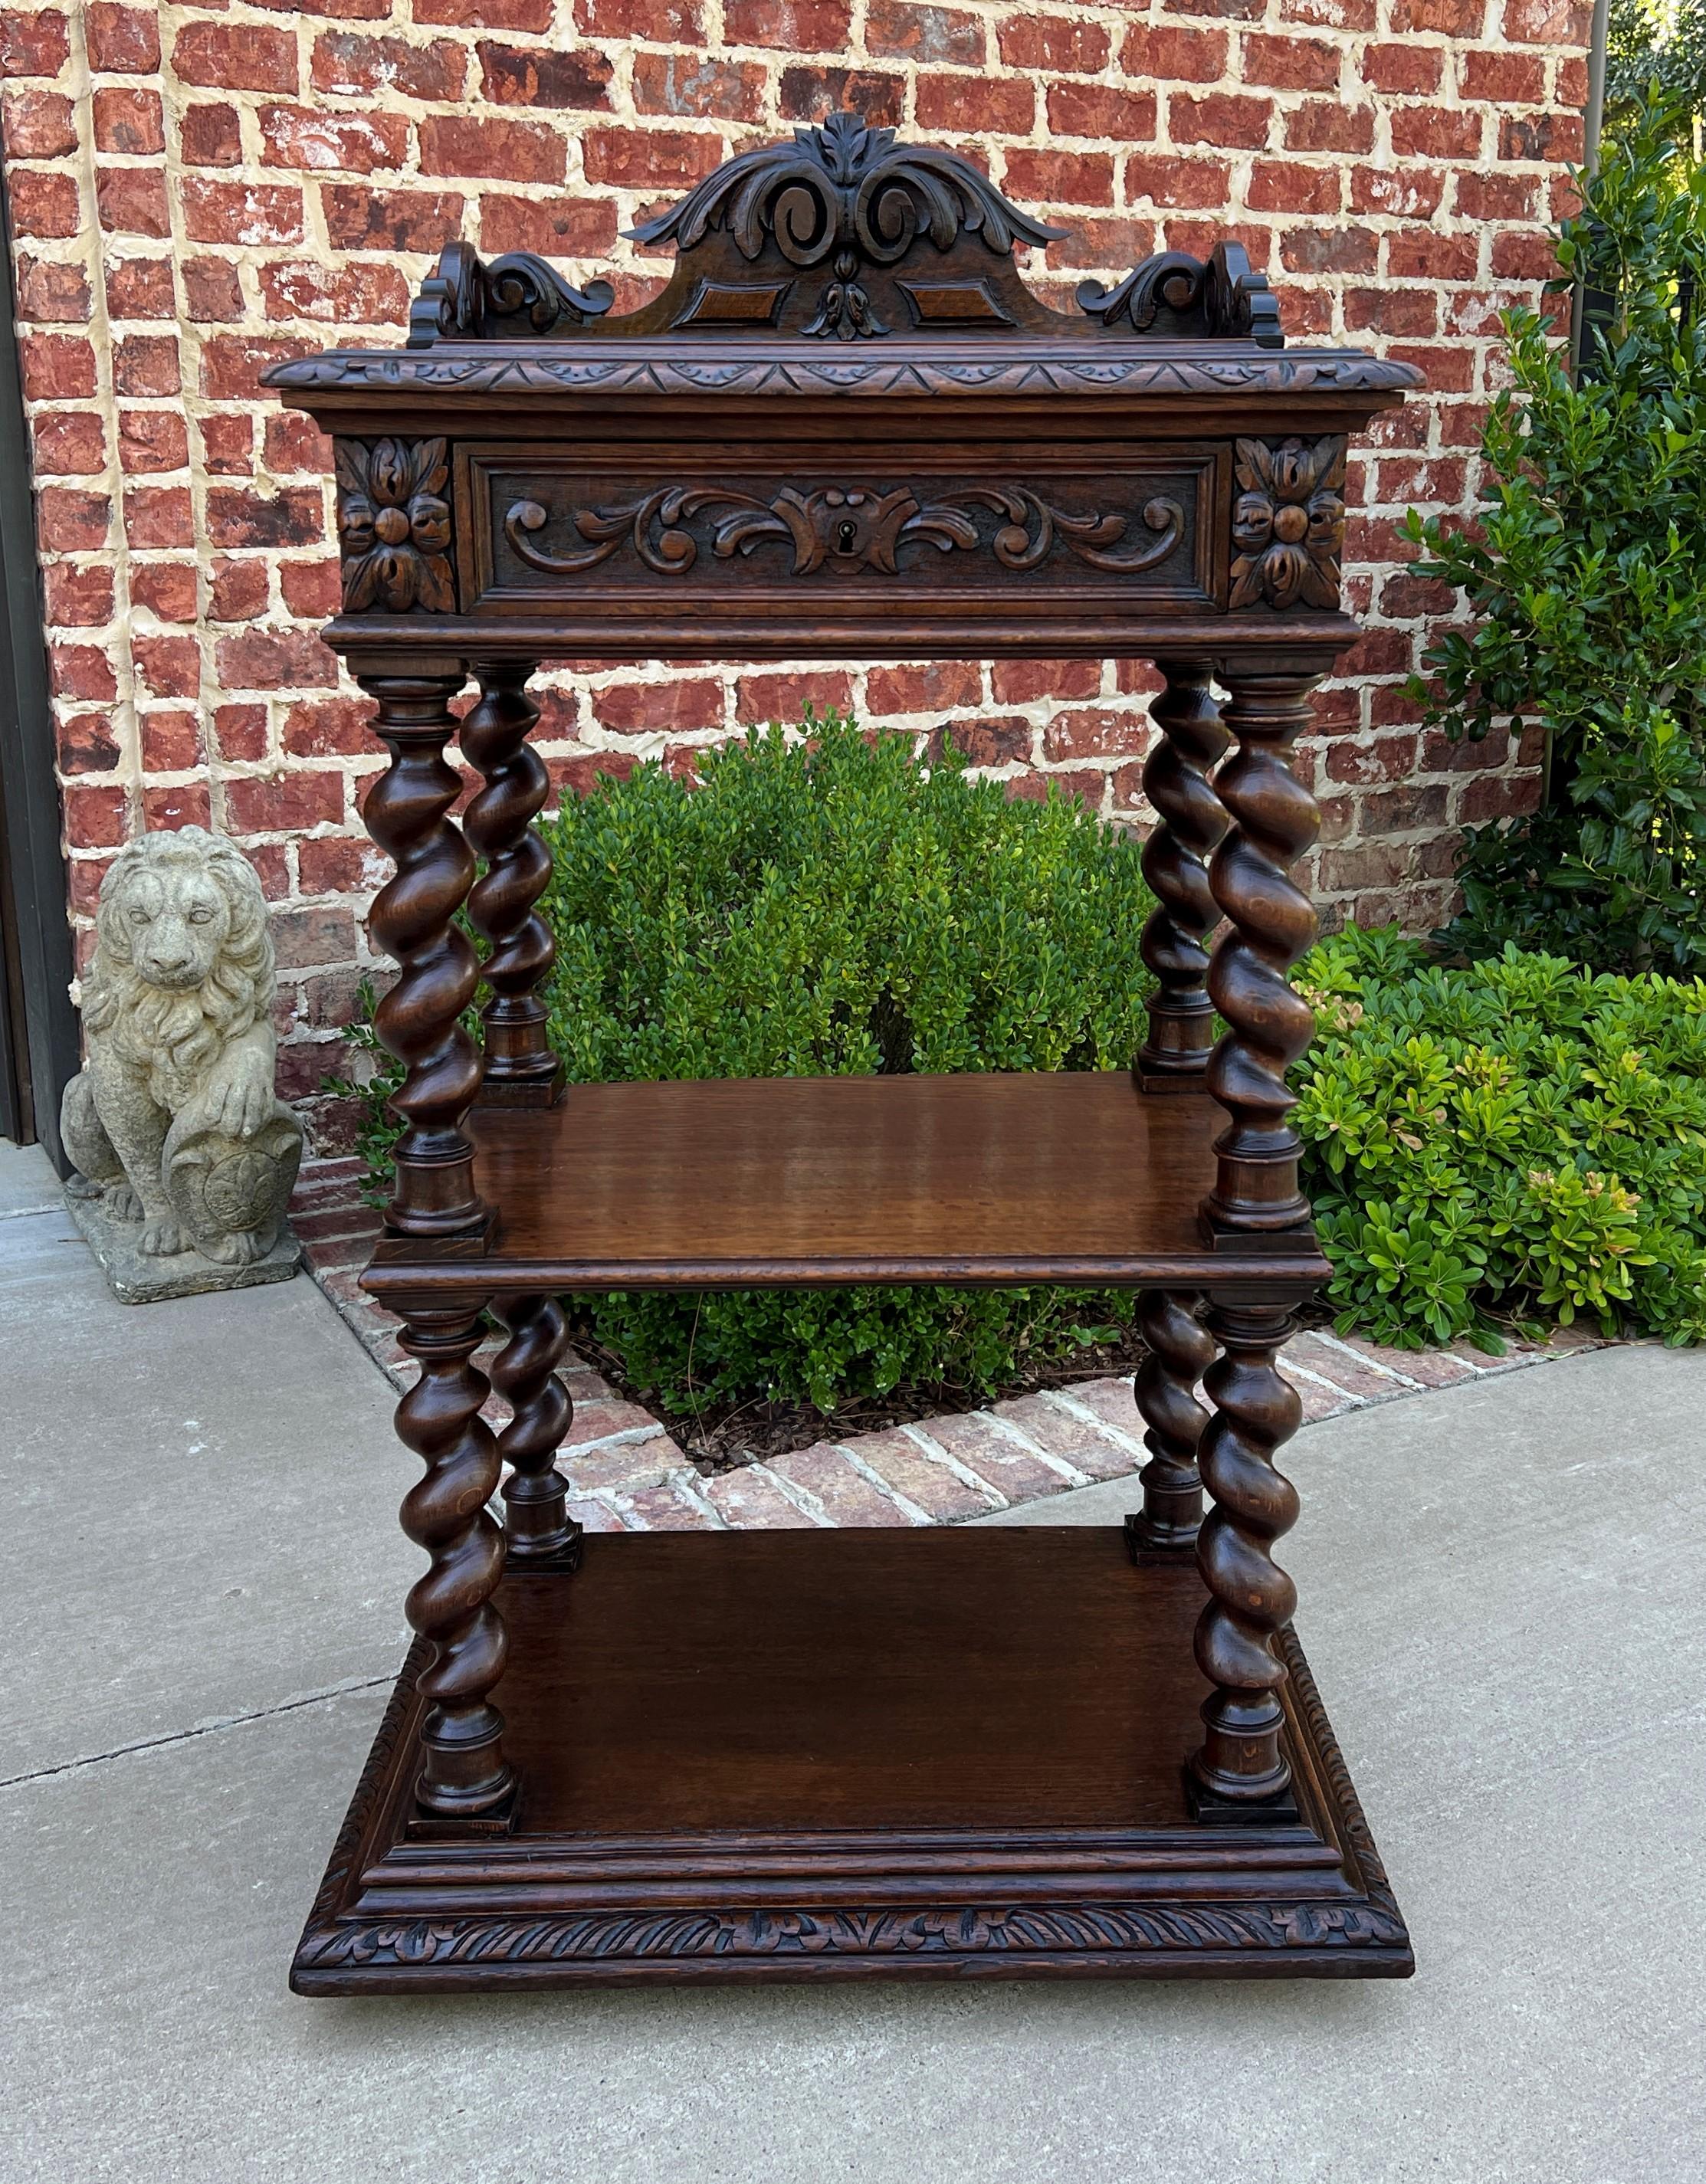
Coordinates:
(393,526)
(847,529)
(847,192)
(1288,523)
(518,294)
(1172,293)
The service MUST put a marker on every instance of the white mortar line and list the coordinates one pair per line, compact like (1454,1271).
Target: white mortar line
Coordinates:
(804,1500)
(1070,1472)
(949,1463)
(1064,1399)
(909,1510)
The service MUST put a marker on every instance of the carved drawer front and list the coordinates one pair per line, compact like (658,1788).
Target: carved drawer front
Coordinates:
(847,536)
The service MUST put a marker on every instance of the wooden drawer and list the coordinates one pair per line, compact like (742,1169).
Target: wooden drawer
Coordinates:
(544,527)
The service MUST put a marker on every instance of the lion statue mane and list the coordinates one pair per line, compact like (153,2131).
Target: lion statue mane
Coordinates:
(174,1118)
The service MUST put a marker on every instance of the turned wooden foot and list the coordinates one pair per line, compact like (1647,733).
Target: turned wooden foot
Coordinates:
(1239,1772)
(1179,1353)
(536,1525)
(464,1773)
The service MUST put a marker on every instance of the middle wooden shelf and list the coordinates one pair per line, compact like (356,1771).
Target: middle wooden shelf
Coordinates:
(987,1180)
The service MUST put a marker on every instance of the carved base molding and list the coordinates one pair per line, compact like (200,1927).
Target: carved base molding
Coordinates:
(1014,1876)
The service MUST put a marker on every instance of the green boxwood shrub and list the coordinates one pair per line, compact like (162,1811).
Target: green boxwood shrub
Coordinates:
(837,906)
(1521,1136)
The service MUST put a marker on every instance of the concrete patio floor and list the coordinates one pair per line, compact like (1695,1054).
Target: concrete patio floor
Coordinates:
(204,1577)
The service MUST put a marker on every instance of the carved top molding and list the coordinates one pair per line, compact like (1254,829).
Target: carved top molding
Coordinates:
(844,262)
(1080,371)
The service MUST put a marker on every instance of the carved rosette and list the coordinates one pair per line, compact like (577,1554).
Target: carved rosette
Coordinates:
(393,526)
(1288,523)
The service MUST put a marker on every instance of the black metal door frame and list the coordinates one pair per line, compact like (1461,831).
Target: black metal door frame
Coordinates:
(38,1026)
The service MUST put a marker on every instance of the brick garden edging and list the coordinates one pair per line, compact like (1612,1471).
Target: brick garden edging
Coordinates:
(628,1475)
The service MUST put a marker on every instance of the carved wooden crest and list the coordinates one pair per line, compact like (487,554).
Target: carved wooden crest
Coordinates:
(845,235)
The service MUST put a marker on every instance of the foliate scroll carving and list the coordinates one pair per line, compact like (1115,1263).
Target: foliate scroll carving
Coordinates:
(1089,370)
(1176,295)
(1288,523)
(393,526)
(849,530)
(516,296)
(847,194)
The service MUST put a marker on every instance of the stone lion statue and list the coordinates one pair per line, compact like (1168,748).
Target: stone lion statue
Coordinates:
(174,1116)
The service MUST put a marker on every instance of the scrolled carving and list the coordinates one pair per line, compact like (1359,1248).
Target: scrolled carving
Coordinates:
(1176,295)
(393,526)
(847,192)
(847,530)
(1109,1929)
(1191,821)
(464,1771)
(1288,523)
(1088,370)
(1255,1411)
(515,295)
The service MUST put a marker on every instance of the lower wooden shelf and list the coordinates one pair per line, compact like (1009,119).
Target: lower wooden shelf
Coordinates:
(830,1755)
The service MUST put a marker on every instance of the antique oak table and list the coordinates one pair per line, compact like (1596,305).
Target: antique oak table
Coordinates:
(846,430)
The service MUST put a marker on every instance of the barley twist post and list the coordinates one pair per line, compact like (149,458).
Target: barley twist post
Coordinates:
(407,813)
(1271,923)
(1190,820)
(536,1520)
(1240,1770)
(464,1773)
(521,1068)
(1179,1353)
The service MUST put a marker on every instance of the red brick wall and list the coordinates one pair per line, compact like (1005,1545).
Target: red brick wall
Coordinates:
(197,190)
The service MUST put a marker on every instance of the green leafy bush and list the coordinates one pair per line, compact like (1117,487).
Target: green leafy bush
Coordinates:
(1523,1136)
(836,907)
(1586,580)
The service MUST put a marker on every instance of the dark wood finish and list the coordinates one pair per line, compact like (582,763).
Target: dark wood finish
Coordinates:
(536,1525)
(418,1020)
(845,428)
(1180,1352)
(463,1770)
(796,1181)
(1240,1770)
(1190,820)
(1271,924)
(521,1068)
(973,1767)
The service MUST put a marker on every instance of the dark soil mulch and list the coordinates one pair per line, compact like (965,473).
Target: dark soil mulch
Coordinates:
(721,1436)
